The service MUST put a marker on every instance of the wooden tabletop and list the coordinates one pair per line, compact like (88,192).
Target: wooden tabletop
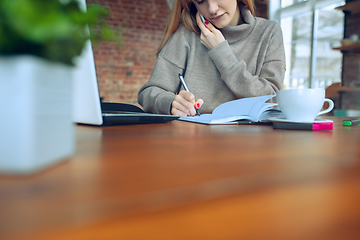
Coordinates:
(182,180)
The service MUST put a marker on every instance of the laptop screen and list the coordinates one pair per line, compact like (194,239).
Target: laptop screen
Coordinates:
(86,100)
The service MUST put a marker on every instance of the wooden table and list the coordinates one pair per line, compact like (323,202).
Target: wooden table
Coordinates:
(189,181)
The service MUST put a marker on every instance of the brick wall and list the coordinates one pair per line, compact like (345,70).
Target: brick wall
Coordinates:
(122,71)
(261,8)
(351,63)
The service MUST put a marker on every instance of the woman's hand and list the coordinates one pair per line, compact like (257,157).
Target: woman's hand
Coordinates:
(210,36)
(185,104)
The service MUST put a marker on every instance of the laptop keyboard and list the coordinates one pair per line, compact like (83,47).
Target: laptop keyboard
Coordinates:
(126,113)
(117,112)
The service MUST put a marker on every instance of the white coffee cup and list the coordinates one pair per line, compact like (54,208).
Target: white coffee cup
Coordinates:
(302,105)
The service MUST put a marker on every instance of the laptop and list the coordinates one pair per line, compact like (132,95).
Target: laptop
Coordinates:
(90,110)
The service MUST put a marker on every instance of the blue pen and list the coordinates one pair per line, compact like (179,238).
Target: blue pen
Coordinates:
(187,89)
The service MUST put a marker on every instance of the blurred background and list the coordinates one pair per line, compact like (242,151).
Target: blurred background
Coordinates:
(311,28)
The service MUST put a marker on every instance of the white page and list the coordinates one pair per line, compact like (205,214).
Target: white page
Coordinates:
(227,113)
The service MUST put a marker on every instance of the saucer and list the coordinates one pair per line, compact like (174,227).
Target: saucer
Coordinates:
(282,119)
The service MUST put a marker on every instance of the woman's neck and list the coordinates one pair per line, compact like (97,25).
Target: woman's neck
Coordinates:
(241,20)
(237,19)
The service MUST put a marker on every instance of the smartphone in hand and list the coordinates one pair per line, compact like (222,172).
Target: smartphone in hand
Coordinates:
(201,16)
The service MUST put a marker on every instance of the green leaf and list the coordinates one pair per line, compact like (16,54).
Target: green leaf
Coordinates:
(52,29)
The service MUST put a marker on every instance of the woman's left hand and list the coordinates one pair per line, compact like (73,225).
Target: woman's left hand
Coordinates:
(210,36)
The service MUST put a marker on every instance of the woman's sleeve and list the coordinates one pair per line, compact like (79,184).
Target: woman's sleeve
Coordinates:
(158,93)
(269,74)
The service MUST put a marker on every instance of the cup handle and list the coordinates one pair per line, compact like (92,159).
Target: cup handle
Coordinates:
(331,106)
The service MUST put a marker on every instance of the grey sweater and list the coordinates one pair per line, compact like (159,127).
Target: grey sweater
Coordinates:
(250,62)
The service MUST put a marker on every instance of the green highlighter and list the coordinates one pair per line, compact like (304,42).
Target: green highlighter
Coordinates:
(351,122)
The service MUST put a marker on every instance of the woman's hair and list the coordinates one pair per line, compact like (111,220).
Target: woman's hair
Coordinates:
(184,11)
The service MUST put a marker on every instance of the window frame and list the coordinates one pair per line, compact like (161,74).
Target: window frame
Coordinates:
(277,12)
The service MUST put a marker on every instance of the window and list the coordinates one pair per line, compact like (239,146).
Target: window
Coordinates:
(311,29)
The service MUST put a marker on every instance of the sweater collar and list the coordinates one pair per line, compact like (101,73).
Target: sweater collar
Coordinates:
(239,32)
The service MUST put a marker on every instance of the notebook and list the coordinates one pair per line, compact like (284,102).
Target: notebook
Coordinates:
(89,110)
(252,110)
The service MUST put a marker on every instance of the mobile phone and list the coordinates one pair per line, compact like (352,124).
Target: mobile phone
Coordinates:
(201,16)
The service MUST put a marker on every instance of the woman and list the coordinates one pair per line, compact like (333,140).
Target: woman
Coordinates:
(231,55)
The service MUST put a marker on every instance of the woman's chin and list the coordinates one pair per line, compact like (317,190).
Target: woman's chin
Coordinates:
(219,26)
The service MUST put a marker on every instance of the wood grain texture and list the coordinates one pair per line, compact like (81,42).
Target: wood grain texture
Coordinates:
(189,181)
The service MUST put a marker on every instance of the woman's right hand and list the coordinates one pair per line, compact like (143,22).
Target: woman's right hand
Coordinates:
(210,36)
(185,104)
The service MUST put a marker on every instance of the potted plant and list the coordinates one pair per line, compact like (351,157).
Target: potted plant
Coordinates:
(38,43)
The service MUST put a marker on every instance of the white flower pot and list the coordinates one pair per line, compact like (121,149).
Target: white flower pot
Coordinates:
(36,128)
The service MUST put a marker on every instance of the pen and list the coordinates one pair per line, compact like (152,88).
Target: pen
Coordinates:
(187,89)
(304,126)
(351,122)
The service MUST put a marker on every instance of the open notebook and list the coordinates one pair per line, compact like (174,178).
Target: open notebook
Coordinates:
(250,110)
(87,108)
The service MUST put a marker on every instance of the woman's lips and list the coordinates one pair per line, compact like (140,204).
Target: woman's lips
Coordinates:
(217,17)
